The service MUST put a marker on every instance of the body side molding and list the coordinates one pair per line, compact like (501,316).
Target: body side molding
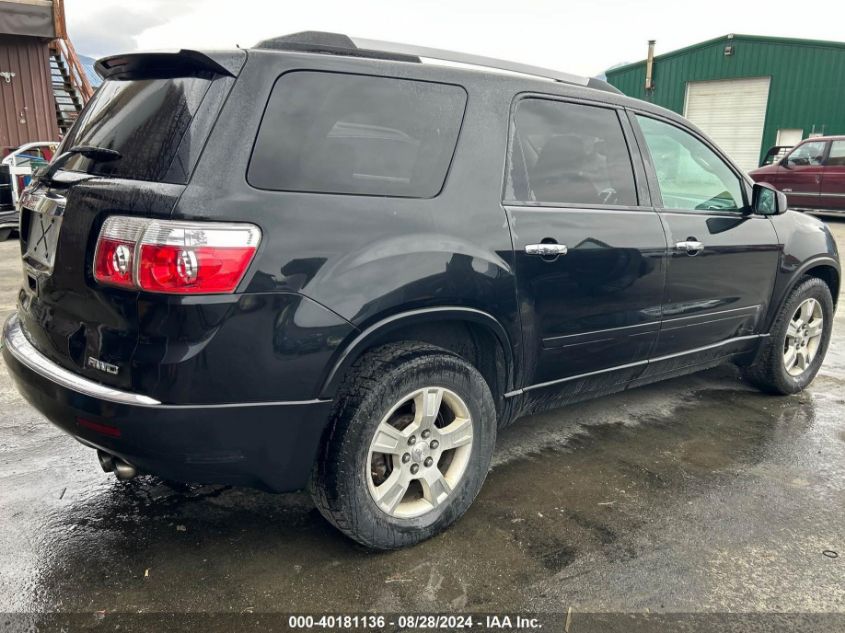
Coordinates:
(642,363)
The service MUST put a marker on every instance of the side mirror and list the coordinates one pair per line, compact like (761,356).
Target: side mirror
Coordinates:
(766,200)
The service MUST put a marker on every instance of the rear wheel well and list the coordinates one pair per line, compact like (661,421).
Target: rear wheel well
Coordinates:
(830,276)
(473,342)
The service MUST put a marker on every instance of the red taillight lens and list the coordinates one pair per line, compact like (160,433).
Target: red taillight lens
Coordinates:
(174,256)
(192,270)
(114,262)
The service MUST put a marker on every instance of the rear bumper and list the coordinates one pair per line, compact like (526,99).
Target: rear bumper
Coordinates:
(266,445)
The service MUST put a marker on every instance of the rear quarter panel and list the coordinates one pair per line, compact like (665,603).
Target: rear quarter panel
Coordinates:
(366,258)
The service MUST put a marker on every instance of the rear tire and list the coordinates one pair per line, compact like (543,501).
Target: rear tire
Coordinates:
(4,234)
(409,447)
(792,355)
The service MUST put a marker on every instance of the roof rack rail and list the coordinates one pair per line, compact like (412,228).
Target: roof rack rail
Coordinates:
(338,44)
(328,44)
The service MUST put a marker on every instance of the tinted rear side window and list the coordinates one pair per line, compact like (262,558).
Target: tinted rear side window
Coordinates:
(355,134)
(567,153)
(146,120)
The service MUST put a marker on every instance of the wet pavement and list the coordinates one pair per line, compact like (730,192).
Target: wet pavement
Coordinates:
(697,494)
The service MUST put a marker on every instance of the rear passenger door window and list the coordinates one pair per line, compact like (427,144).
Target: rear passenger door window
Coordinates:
(691,176)
(356,134)
(837,154)
(569,154)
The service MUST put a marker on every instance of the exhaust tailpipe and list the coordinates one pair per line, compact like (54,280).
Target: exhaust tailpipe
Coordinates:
(123,470)
(106,461)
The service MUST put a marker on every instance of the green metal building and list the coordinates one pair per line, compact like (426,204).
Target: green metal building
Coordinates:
(747,92)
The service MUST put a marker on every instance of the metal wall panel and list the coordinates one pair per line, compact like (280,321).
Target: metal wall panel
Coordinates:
(33,18)
(27,108)
(807,79)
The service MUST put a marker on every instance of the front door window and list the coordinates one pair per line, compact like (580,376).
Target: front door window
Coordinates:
(808,154)
(691,176)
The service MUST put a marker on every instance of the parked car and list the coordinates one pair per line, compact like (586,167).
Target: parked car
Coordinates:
(16,171)
(322,262)
(812,175)
(8,212)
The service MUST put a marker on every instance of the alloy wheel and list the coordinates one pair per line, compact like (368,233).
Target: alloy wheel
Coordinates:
(420,452)
(803,337)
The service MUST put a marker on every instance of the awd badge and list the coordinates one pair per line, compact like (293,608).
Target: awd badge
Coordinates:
(103,366)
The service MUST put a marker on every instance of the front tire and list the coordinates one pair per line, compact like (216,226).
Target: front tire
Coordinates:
(409,448)
(792,355)
(4,234)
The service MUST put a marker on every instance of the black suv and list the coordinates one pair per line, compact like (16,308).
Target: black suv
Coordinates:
(324,262)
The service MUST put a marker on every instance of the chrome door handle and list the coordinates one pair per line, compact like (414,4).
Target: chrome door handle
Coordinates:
(546,250)
(689,247)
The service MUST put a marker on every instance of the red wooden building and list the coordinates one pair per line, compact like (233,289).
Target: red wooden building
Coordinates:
(42,84)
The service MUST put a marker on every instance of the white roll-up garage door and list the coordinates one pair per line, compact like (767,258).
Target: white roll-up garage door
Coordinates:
(732,112)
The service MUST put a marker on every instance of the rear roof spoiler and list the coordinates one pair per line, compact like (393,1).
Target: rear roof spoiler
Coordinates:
(162,65)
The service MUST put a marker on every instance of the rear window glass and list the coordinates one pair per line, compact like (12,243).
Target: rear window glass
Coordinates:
(355,134)
(145,120)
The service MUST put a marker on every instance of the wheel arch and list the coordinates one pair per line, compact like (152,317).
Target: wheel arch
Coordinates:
(825,268)
(473,334)
(828,274)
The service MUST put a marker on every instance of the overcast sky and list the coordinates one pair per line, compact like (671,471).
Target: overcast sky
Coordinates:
(579,36)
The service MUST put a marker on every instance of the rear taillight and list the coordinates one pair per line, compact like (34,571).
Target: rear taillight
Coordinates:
(172,256)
